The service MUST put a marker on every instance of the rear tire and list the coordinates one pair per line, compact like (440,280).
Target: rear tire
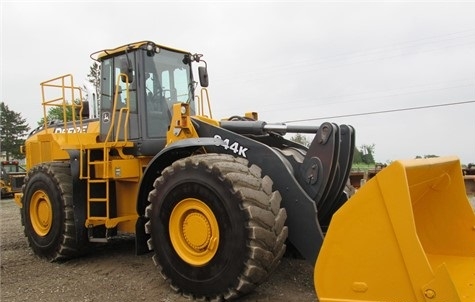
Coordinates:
(47,212)
(216,227)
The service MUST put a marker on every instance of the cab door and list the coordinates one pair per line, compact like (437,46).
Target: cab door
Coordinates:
(119,112)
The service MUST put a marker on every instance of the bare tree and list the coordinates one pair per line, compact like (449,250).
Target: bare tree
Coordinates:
(94,76)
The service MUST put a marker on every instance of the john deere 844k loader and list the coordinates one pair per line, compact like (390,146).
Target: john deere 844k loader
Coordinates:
(218,200)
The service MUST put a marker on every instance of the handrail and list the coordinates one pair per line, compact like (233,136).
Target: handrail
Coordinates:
(121,110)
(204,95)
(66,85)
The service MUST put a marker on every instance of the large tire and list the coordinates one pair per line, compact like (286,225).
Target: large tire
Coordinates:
(47,212)
(217,229)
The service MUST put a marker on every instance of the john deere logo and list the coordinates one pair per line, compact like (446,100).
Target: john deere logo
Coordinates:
(105,117)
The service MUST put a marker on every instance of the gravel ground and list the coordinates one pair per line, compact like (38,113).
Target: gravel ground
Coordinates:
(113,273)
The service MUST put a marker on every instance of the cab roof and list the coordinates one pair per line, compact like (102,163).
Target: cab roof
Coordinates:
(101,54)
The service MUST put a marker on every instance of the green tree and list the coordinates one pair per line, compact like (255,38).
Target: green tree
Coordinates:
(13,129)
(357,156)
(56,113)
(367,152)
(301,139)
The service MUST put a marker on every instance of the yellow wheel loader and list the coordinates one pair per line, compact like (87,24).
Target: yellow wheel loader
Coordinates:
(12,176)
(218,201)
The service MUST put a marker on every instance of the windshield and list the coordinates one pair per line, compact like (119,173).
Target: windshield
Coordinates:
(167,81)
(167,76)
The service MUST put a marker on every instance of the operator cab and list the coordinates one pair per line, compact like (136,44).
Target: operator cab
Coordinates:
(139,84)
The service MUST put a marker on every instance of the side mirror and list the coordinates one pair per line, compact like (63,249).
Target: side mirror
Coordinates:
(203,74)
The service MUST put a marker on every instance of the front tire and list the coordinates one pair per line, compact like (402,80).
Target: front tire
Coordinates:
(47,212)
(216,227)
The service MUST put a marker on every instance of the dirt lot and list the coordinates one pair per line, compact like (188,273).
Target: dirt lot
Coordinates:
(113,273)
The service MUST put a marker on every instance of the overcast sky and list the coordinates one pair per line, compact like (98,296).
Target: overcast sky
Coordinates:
(289,61)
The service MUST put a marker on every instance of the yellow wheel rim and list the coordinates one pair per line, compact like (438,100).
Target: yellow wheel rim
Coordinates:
(41,213)
(194,231)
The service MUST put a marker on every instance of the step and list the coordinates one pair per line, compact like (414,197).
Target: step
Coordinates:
(98,200)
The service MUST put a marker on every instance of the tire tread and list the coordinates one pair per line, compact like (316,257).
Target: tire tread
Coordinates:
(265,219)
(67,246)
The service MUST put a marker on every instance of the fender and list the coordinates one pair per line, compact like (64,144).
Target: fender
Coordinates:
(166,157)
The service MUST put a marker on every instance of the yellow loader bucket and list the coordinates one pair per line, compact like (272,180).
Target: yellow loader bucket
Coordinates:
(407,235)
